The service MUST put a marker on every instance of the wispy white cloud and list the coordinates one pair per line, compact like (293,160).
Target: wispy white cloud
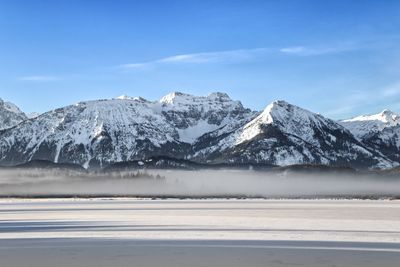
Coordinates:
(134,65)
(317,50)
(293,50)
(237,56)
(230,56)
(39,78)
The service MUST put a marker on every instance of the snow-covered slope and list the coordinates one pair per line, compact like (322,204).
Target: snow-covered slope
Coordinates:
(380,131)
(97,133)
(284,134)
(364,125)
(10,115)
(196,116)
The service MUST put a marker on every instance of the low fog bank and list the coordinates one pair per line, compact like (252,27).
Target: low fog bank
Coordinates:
(205,183)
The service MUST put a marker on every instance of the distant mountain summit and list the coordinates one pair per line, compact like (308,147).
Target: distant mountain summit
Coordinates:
(379,131)
(364,125)
(208,130)
(10,115)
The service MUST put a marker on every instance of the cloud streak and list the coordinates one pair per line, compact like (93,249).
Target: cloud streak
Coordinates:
(238,56)
(229,56)
(317,50)
(38,78)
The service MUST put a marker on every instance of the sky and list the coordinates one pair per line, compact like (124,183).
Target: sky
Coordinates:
(337,58)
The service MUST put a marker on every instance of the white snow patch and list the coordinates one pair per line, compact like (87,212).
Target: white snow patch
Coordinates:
(191,133)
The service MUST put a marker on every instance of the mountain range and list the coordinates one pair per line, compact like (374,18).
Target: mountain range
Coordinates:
(208,130)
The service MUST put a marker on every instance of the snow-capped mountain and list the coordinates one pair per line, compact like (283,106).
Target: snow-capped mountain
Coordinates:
(10,115)
(284,134)
(380,131)
(211,129)
(96,133)
(365,125)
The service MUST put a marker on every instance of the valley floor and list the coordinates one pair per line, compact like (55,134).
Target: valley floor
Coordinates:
(134,232)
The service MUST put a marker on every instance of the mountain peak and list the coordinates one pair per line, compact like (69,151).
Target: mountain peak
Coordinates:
(136,98)
(10,115)
(285,134)
(125,97)
(183,98)
(386,117)
(284,113)
(389,116)
(10,107)
(279,104)
(175,97)
(219,96)
(387,111)
(290,119)
(364,125)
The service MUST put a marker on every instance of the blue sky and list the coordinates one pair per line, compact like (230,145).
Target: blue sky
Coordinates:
(338,58)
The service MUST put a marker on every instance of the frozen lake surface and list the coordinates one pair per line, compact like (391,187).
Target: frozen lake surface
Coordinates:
(132,232)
